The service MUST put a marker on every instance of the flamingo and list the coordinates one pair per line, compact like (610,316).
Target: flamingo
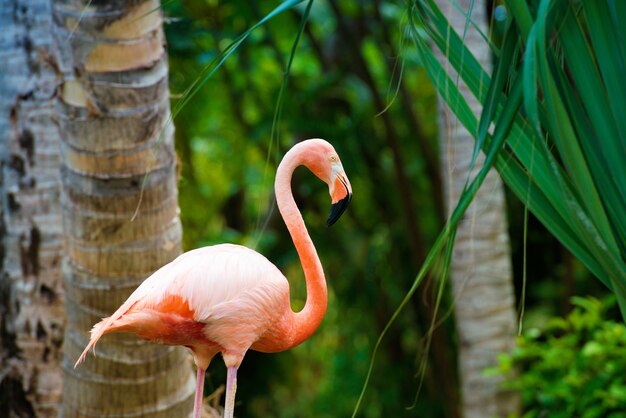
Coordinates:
(228,298)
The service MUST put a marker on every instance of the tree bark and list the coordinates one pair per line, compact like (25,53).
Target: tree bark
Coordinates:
(481,268)
(119,201)
(32,299)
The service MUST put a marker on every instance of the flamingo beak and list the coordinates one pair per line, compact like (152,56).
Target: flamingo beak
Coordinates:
(341,193)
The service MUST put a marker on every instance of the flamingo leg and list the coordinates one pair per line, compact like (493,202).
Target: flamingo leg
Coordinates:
(197,406)
(231,388)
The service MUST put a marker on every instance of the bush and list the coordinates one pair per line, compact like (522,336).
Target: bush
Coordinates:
(576,367)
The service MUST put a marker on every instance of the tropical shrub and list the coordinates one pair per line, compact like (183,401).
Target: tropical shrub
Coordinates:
(575,367)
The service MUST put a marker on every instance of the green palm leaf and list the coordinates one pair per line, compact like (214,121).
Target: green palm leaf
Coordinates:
(562,151)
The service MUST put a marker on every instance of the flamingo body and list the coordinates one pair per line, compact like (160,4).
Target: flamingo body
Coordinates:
(204,300)
(228,298)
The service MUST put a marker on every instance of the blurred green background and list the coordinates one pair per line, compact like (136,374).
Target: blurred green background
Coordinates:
(355,83)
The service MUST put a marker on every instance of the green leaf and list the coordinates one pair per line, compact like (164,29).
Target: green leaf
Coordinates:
(508,54)
(215,64)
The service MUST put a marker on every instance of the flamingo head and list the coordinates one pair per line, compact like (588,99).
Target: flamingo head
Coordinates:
(340,190)
(322,159)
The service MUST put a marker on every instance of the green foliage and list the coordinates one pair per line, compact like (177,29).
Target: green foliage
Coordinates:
(574,367)
(555,100)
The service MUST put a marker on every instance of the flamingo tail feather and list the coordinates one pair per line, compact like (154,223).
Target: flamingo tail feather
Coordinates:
(97,332)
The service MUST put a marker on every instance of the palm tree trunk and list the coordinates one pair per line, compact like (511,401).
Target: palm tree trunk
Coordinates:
(481,267)
(119,204)
(32,308)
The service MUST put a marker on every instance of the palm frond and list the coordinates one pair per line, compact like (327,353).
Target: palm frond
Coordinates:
(558,138)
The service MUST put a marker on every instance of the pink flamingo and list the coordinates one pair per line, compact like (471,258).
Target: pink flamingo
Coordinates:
(228,298)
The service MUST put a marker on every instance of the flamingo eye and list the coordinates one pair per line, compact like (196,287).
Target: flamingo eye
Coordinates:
(333,158)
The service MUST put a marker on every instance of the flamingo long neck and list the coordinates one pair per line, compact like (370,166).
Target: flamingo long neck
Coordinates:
(301,325)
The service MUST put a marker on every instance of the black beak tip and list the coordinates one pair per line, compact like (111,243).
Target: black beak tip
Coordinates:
(337,209)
